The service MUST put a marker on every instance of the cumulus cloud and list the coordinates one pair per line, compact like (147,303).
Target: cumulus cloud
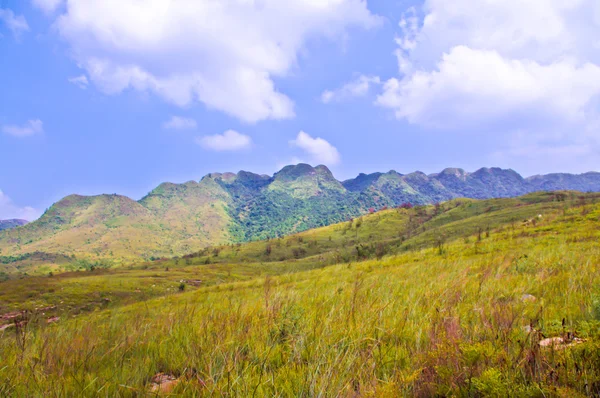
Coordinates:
(80,81)
(532,67)
(476,87)
(222,53)
(357,88)
(48,6)
(9,210)
(318,149)
(228,141)
(30,128)
(15,23)
(180,123)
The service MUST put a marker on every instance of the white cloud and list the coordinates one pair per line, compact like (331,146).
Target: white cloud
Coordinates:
(471,88)
(357,88)
(30,128)
(180,123)
(228,141)
(48,6)
(8,210)
(409,25)
(319,149)
(503,66)
(222,53)
(80,81)
(16,24)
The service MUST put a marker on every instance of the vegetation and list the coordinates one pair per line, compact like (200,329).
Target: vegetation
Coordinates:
(176,219)
(457,299)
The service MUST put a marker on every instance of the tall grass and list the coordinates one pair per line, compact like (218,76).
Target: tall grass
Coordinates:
(465,321)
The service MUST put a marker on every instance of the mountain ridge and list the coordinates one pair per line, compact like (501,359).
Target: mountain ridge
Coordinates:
(175,219)
(12,223)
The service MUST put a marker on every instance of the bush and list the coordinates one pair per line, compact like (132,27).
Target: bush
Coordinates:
(491,384)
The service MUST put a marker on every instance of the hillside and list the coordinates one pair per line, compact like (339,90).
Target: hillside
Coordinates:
(8,224)
(512,310)
(176,219)
(372,236)
(170,220)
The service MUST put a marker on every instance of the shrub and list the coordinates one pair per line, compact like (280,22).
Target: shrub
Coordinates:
(491,384)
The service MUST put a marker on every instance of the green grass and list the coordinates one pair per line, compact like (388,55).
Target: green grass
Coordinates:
(397,230)
(372,236)
(434,318)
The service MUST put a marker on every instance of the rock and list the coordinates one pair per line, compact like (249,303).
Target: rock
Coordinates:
(163,383)
(528,297)
(46,309)
(559,343)
(12,325)
(551,342)
(12,315)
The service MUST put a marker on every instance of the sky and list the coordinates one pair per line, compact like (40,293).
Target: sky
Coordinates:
(117,96)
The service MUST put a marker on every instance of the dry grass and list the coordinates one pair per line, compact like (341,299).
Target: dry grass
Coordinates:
(462,321)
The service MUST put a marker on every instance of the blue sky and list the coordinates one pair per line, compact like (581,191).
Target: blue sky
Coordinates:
(111,97)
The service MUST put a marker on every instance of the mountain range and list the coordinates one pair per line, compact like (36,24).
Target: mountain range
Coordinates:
(223,208)
(8,224)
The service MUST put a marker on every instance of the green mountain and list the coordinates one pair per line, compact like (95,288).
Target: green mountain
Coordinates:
(9,224)
(551,182)
(172,219)
(176,219)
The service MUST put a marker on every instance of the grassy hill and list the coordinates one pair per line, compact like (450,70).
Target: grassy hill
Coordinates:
(176,219)
(172,219)
(460,302)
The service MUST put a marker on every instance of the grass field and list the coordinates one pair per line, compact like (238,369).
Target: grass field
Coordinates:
(450,300)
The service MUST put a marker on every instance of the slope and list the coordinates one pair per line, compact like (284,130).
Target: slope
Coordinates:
(175,219)
(387,232)
(470,319)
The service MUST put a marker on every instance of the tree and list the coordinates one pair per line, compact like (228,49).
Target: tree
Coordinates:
(358,225)
(380,250)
